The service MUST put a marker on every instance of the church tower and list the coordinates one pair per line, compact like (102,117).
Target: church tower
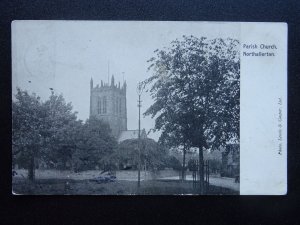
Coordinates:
(108,103)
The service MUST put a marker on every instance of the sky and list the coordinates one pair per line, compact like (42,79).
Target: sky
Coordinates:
(65,55)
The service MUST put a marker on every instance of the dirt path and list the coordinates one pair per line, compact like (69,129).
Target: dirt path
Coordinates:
(224,182)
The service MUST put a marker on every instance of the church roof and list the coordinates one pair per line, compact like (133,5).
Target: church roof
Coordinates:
(131,134)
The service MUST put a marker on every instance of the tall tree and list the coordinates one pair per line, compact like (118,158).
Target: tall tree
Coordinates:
(43,130)
(61,128)
(28,118)
(195,87)
(95,146)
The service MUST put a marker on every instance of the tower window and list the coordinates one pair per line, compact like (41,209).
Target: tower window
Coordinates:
(104,105)
(117,105)
(114,106)
(99,106)
(120,102)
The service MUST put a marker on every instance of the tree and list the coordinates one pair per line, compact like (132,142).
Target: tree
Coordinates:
(43,131)
(152,154)
(61,129)
(95,146)
(176,138)
(195,87)
(28,117)
(174,163)
(50,132)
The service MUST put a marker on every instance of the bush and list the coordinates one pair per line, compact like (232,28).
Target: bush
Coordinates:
(174,163)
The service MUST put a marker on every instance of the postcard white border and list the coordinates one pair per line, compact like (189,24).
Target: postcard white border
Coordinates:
(263,159)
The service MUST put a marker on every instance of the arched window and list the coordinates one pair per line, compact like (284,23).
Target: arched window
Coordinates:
(104,105)
(117,105)
(99,106)
(120,106)
(114,106)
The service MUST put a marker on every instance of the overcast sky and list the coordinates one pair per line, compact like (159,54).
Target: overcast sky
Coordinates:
(64,55)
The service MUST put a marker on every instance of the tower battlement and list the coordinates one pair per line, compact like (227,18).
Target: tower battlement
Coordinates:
(106,86)
(108,103)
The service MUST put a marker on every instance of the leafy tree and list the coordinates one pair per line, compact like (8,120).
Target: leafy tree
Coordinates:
(152,154)
(95,146)
(61,129)
(50,132)
(128,153)
(195,87)
(43,131)
(28,118)
(174,163)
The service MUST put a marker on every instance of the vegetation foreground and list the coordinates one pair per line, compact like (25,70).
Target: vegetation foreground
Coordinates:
(87,187)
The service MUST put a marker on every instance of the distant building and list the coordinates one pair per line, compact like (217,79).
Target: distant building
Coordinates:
(108,103)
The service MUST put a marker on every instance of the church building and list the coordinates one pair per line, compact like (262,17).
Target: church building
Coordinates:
(108,103)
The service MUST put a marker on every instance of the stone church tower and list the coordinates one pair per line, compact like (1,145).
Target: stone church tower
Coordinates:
(108,102)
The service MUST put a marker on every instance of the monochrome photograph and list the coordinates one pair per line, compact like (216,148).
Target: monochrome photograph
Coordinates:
(125,108)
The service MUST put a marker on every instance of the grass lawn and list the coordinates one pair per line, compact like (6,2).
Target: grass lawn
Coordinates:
(118,187)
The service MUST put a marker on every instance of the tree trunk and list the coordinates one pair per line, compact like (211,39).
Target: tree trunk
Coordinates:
(31,169)
(201,170)
(183,164)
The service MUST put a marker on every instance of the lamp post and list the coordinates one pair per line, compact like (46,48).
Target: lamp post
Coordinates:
(139,92)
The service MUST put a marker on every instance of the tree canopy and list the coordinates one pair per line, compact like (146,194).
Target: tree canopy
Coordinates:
(50,133)
(28,116)
(152,154)
(195,87)
(95,146)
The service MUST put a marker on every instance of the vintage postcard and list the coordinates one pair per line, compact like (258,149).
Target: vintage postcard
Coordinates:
(149,108)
